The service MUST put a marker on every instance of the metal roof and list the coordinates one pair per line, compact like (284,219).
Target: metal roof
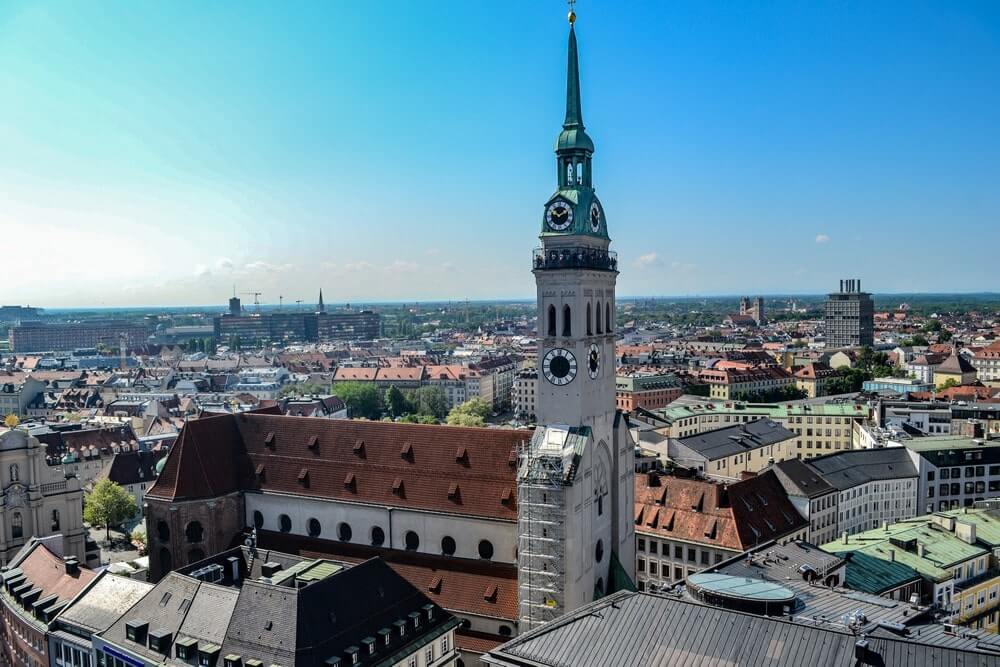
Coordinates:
(645,630)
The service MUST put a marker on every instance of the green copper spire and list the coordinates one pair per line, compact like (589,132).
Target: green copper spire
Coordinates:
(573,136)
(574,112)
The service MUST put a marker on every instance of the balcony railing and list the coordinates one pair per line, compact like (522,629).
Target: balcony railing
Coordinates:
(574,258)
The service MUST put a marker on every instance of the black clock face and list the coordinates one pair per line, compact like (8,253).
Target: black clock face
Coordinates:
(559,216)
(594,361)
(559,366)
(595,217)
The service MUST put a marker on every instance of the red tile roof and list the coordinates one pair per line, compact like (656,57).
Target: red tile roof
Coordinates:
(47,571)
(456,584)
(736,517)
(269,453)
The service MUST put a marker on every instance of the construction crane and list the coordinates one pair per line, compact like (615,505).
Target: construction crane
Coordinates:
(281,301)
(256,298)
(298,303)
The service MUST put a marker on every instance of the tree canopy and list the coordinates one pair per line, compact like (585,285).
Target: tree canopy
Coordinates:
(471,413)
(108,505)
(362,398)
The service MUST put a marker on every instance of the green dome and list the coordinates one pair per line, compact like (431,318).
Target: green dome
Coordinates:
(574,139)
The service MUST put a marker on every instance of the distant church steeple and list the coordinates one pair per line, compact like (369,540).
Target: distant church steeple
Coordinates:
(321,308)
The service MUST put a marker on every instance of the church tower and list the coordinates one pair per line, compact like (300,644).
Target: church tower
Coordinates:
(576,479)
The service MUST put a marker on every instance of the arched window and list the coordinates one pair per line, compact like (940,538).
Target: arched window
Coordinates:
(378,536)
(412,541)
(162,531)
(258,519)
(552,321)
(505,631)
(55,520)
(607,317)
(485,549)
(598,317)
(284,523)
(166,562)
(195,555)
(567,322)
(194,532)
(599,587)
(313,527)
(448,545)
(590,328)
(579,172)
(569,173)
(344,532)
(16,526)
(14,476)
(599,551)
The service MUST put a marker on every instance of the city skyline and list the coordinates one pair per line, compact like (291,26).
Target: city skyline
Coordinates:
(222,150)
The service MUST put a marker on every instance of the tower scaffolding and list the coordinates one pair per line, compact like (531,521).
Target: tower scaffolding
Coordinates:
(541,540)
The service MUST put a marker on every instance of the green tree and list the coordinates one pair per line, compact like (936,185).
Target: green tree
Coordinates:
(944,336)
(362,398)
(916,341)
(471,413)
(949,383)
(395,402)
(208,345)
(108,505)
(431,401)
(932,326)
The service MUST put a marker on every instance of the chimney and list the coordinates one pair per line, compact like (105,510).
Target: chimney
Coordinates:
(892,555)
(845,537)
(841,285)
(72,565)
(653,478)
(920,549)
(859,284)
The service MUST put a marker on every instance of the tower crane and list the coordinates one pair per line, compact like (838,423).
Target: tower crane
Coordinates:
(256,299)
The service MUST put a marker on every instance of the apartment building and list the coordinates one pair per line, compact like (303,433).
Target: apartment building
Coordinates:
(738,383)
(646,390)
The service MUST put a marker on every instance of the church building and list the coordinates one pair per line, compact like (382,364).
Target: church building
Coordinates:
(503,528)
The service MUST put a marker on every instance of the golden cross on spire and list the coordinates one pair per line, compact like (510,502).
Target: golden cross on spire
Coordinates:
(572,13)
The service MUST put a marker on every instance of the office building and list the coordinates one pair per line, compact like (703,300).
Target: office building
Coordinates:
(849,316)
(65,336)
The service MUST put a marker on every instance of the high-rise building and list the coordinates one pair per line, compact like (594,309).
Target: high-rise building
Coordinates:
(62,336)
(850,316)
(576,477)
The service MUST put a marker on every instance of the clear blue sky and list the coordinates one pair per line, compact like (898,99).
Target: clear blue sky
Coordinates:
(159,152)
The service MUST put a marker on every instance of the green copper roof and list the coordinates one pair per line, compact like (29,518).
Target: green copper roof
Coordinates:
(573,136)
(945,443)
(771,410)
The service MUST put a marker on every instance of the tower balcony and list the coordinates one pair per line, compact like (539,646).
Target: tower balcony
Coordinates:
(574,257)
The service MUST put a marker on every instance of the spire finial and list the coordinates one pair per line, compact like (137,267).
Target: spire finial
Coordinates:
(572,13)
(574,113)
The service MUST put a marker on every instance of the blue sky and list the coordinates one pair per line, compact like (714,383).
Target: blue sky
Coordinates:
(158,153)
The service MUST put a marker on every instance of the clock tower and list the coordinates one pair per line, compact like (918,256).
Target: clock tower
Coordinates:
(576,479)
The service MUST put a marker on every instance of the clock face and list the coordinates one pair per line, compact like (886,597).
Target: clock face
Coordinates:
(559,366)
(594,361)
(559,216)
(595,217)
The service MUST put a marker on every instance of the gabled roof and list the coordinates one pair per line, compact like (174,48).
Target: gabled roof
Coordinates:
(412,465)
(105,601)
(847,469)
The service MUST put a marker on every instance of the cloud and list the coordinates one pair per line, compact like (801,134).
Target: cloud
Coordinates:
(649,259)
(266,267)
(432,251)
(402,266)
(201,271)
(224,264)
(822,238)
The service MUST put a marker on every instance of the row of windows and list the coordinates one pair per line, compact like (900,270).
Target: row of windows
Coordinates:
(567,320)
(970,471)
(376,536)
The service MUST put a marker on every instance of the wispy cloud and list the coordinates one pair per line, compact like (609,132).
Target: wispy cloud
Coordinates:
(649,259)
(224,264)
(822,238)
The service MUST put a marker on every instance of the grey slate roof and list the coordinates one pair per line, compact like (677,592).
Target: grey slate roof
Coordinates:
(108,598)
(737,439)
(800,480)
(645,630)
(845,470)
